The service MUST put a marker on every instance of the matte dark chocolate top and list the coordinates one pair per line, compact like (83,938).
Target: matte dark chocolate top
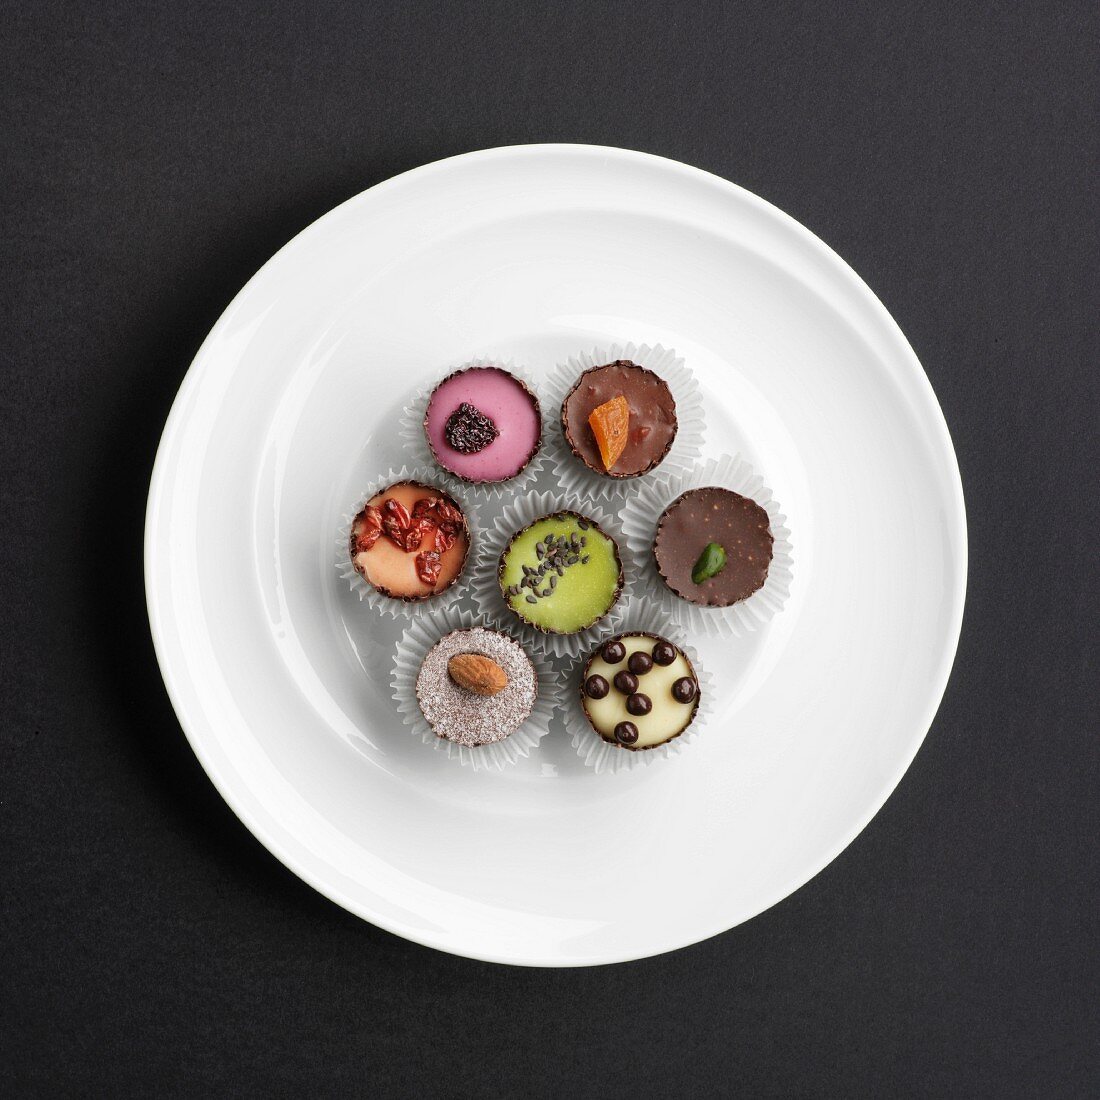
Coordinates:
(652,425)
(700,516)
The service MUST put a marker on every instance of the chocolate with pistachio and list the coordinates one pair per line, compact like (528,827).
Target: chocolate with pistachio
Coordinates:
(713,547)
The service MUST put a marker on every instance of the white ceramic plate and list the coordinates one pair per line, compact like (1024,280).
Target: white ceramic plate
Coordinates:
(279,675)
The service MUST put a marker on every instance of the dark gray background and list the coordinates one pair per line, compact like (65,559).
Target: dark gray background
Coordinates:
(153,159)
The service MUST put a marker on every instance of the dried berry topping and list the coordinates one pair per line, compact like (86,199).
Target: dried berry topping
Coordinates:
(368,526)
(437,510)
(445,512)
(626,682)
(626,733)
(684,689)
(428,566)
(638,705)
(445,537)
(613,652)
(596,687)
(468,430)
(639,663)
(394,508)
(664,653)
(395,521)
(422,534)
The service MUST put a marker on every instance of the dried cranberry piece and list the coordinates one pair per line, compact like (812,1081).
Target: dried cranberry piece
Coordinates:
(428,566)
(419,534)
(368,526)
(445,537)
(395,521)
(395,508)
(447,513)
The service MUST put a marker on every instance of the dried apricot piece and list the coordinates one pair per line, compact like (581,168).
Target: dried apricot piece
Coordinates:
(609,423)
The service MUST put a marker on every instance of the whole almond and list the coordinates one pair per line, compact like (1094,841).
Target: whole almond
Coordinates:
(477,673)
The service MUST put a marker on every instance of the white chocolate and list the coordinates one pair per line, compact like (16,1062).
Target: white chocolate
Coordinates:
(667,718)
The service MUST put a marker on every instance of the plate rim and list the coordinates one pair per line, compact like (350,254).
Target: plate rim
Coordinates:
(932,416)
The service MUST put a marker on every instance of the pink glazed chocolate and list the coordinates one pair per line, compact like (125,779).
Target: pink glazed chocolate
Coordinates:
(483,424)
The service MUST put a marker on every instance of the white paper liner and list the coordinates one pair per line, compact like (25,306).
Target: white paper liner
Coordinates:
(691,422)
(411,650)
(601,755)
(388,605)
(485,588)
(415,442)
(640,515)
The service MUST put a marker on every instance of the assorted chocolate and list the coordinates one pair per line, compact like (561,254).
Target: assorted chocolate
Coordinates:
(619,419)
(639,691)
(562,573)
(713,547)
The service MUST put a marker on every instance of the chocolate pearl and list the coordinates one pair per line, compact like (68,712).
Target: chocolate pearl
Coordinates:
(613,652)
(626,733)
(664,653)
(638,705)
(596,687)
(639,663)
(683,690)
(626,682)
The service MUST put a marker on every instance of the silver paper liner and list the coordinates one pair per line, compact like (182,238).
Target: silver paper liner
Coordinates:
(640,515)
(486,587)
(388,605)
(411,650)
(414,441)
(691,421)
(601,755)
